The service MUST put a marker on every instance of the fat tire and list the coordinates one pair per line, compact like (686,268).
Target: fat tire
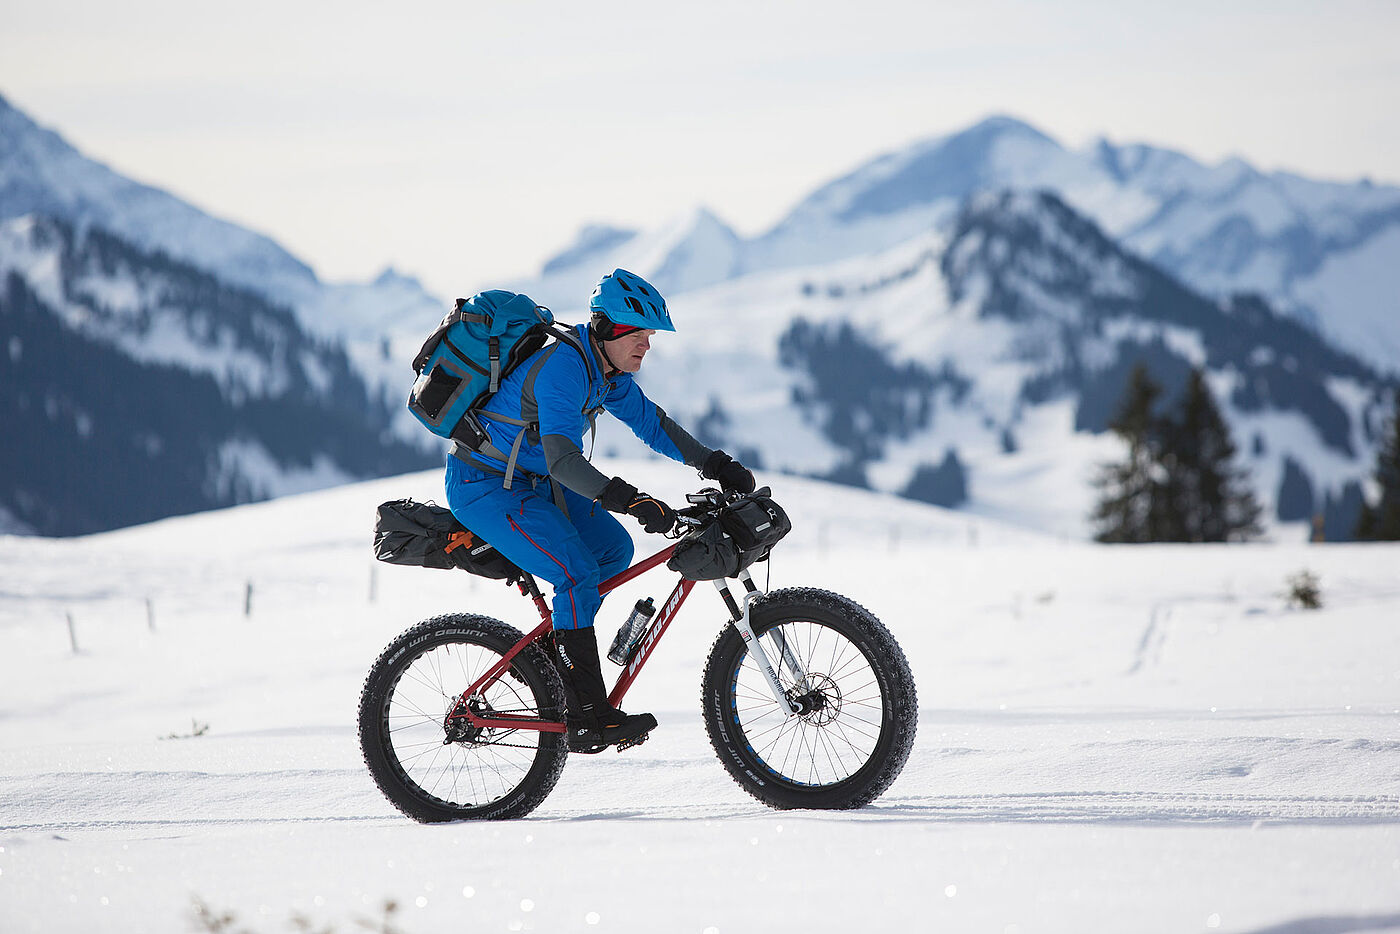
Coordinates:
(899,702)
(531,668)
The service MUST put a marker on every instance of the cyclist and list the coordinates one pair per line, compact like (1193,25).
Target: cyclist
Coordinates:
(545,517)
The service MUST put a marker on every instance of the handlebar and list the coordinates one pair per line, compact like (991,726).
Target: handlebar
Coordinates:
(705,505)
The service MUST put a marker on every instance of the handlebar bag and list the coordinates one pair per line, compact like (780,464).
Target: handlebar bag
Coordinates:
(755,522)
(426,535)
(741,534)
(708,554)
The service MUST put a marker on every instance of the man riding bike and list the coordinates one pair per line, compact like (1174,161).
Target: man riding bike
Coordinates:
(539,507)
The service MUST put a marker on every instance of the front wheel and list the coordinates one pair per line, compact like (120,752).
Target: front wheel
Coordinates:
(425,756)
(851,683)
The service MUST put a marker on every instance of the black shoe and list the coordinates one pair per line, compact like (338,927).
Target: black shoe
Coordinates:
(632,731)
(593,723)
(628,730)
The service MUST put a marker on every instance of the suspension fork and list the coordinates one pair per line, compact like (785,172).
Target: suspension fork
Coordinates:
(787,657)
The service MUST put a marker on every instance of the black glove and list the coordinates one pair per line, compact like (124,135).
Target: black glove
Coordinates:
(652,513)
(731,474)
(617,495)
(620,496)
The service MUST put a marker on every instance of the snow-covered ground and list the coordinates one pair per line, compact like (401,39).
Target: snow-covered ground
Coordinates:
(1110,739)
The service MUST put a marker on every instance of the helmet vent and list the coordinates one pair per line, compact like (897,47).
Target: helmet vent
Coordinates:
(626,299)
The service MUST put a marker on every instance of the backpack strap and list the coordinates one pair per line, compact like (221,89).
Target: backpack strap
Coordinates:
(464,454)
(529,420)
(529,405)
(514,455)
(568,336)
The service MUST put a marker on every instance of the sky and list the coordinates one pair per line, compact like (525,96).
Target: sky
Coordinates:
(466,141)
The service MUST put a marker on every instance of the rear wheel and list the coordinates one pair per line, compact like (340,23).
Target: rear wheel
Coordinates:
(856,700)
(425,756)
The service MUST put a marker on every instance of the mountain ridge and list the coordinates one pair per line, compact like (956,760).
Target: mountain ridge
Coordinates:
(83,191)
(1000,348)
(1224,228)
(134,386)
(992,331)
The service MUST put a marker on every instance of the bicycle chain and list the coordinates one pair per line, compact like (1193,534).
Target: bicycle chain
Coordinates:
(474,743)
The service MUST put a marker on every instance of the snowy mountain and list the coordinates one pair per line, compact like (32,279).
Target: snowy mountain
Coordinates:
(688,252)
(301,381)
(1323,252)
(1327,253)
(42,175)
(983,365)
(936,323)
(134,386)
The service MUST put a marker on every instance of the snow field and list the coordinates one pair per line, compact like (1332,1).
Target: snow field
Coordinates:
(1140,739)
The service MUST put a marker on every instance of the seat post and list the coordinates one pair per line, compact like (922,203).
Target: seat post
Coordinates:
(528,587)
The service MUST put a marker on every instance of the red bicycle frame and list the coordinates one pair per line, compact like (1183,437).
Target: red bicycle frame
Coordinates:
(645,645)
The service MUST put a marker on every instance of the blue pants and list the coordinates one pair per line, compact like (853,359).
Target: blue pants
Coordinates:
(574,552)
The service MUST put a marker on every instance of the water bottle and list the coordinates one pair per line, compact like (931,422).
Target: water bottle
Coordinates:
(626,639)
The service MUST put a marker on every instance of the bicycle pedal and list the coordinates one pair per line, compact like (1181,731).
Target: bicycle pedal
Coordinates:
(628,744)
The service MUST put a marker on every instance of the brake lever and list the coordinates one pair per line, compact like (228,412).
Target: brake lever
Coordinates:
(683,525)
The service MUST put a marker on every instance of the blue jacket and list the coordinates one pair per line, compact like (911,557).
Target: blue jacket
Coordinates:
(559,392)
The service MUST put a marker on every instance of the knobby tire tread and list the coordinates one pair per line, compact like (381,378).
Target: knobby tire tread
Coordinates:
(499,637)
(893,750)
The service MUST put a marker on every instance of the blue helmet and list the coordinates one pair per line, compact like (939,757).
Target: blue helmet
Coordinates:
(625,298)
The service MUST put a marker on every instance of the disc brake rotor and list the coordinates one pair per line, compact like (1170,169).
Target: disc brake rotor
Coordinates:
(820,704)
(458,728)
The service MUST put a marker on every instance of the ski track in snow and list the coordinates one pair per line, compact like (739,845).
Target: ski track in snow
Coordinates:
(682,782)
(1067,807)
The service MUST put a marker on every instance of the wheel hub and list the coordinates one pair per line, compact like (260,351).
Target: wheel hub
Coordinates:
(820,704)
(458,728)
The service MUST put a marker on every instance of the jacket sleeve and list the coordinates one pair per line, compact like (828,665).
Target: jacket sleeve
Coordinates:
(650,422)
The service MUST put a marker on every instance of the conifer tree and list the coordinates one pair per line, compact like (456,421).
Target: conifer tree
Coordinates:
(1131,501)
(1179,481)
(1382,523)
(1210,496)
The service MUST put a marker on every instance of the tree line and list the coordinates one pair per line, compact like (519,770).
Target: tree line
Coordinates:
(1178,480)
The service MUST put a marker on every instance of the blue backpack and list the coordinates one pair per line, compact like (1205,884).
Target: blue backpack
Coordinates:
(462,363)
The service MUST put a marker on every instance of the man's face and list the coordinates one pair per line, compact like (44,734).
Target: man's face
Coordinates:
(626,352)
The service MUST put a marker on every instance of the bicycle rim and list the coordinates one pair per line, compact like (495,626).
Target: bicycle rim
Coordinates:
(474,771)
(839,732)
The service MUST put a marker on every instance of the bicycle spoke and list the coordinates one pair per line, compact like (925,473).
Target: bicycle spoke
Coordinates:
(480,768)
(843,705)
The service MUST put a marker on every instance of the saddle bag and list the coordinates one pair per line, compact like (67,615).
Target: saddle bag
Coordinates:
(426,535)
